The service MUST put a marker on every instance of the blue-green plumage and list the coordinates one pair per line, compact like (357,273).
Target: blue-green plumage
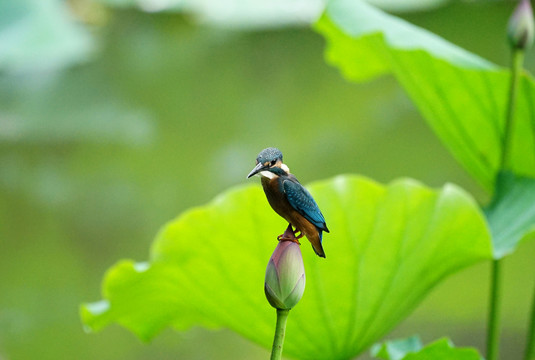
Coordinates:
(289,198)
(303,202)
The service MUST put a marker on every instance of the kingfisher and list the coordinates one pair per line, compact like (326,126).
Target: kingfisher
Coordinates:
(290,200)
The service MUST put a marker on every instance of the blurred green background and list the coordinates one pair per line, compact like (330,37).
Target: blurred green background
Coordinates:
(115,116)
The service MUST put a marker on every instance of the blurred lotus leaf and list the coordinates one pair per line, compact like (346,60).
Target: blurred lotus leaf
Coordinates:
(40,36)
(259,13)
(412,349)
(388,247)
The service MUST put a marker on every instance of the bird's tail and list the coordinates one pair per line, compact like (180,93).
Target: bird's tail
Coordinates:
(316,244)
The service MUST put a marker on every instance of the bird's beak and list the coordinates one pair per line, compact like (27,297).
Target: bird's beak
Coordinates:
(259,167)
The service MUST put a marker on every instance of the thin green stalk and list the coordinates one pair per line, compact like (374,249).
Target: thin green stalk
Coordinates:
(530,344)
(516,69)
(280,331)
(494,321)
(493,332)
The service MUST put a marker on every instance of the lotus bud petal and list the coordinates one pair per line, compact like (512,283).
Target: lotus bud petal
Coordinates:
(285,276)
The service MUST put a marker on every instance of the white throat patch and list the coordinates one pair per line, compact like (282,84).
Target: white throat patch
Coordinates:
(267,174)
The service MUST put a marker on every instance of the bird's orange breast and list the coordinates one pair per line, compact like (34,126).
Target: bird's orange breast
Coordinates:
(279,203)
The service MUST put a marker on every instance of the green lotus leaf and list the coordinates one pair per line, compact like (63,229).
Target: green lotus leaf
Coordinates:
(461,96)
(388,246)
(412,349)
(511,214)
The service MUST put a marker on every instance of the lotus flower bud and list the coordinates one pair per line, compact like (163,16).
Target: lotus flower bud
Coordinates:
(520,28)
(285,276)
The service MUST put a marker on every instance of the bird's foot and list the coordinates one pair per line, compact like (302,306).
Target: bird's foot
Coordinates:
(289,235)
(292,239)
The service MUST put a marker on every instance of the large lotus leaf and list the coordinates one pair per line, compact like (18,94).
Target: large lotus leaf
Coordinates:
(462,96)
(388,246)
(412,349)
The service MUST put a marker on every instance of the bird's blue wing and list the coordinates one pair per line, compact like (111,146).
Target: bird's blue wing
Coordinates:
(301,200)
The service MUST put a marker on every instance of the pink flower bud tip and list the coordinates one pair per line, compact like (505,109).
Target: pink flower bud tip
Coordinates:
(520,28)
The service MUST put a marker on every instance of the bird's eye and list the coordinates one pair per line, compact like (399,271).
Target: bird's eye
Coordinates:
(273,162)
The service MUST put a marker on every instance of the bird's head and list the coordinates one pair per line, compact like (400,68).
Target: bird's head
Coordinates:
(269,163)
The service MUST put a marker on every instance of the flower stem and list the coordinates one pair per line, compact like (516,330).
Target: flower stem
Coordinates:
(516,68)
(493,332)
(530,345)
(280,331)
